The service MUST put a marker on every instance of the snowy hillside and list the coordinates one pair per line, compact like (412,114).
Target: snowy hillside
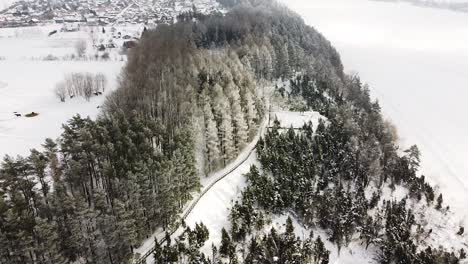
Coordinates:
(414,60)
(243,143)
(213,210)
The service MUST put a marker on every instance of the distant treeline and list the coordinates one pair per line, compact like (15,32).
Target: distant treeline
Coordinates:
(80,84)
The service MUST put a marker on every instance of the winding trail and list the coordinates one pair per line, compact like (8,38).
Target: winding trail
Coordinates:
(241,159)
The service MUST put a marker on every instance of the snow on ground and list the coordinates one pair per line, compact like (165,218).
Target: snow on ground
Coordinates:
(354,253)
(442,223)
(213,208)
(415,60)
(27,82)
(35,42)
(27,86)
(297,119)
(222,193)
(444,228)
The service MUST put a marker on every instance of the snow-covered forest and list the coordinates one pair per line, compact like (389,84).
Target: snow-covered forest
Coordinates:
(400,51)
(190,99)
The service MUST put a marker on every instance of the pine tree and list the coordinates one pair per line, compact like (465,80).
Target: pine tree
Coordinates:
(167,193)
(211,138)
(440,200)
(283,69)
(255,252)
(38,163)
(320,252)
(126,226)
(227,139)
(50,151)
(226,245)
(267,63)
(47,242)
(251,113)
(413,156)
(223,114)
(240,128)
(289,228)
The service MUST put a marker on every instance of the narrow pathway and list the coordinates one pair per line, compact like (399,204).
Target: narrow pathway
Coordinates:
(241,159)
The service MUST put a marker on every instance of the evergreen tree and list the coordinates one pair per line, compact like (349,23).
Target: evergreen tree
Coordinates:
(251,112)
(440,200)
(226,246)
(240,128)
(212,141)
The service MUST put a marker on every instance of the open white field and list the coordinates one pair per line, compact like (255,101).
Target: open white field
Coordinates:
(27,86)
(34,42)
(38,42)
(28,78)
(415,60)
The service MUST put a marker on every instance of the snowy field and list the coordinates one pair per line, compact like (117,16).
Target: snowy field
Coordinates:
(27,82)
(416,62)
(36,43)
(27,86)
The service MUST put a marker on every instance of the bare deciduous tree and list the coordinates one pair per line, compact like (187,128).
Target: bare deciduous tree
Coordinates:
(88,86)
(101,82)
(93,34)
(80,47)
(61,91)
(81,84)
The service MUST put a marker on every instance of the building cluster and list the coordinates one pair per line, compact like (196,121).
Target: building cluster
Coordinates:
(100,12)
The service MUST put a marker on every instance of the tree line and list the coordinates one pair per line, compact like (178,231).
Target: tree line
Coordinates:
(80,84)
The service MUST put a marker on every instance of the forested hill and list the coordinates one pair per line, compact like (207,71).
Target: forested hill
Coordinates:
(189,99)
(334,179)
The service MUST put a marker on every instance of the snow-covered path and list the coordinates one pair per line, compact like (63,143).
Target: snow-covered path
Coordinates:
(211,206)
(214,207)
(415,60)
